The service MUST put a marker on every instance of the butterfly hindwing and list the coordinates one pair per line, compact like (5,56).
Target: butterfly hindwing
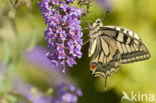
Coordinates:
(129,44)
(106,58)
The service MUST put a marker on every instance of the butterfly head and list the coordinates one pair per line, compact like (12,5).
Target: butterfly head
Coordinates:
(95,26)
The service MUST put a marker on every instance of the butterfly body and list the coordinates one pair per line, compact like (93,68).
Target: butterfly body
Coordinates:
(112,46)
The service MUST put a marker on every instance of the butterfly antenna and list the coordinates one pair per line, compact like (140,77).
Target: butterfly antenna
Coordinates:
(87,21)
(106,12)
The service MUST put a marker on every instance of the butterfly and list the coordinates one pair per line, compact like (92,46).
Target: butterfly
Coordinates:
(112,46)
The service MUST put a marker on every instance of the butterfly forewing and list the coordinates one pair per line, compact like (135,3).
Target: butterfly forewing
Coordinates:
(129,44)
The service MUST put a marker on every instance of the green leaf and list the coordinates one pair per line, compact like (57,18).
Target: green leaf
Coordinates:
(33,40)
(11,98)
(2,86)
(6,52)
(6,82)
(9,77)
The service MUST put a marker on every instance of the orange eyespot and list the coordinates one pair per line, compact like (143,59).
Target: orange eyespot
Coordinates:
(92,66)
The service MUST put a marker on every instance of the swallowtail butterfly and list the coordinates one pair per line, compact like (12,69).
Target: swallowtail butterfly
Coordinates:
(112,46)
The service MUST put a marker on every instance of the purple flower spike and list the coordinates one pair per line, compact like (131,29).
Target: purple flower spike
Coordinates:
(67,93)
(63,34)
(63,93)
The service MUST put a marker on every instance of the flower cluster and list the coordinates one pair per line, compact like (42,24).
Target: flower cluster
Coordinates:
(64,93)
(67,93)
(63,33)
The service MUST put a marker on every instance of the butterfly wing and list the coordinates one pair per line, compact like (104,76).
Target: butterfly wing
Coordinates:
(106,58)
(129,44)
(92,46)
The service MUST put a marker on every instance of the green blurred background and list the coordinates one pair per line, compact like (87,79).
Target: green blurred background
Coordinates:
(23,28)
